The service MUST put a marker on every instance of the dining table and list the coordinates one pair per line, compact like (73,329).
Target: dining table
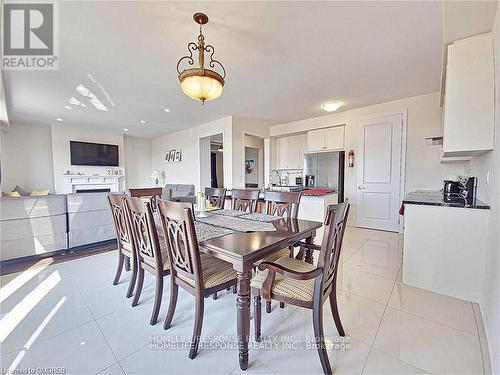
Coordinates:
(242,249)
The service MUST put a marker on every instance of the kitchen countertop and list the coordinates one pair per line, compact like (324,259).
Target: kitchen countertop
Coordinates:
(435,198)
(261,195)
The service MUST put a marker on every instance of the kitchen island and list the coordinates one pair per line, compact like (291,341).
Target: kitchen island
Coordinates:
(444,244)
(313,207)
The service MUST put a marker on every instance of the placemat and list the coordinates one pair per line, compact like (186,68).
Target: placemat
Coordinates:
(204,232)
(226,212)
(260,217)
(237,224)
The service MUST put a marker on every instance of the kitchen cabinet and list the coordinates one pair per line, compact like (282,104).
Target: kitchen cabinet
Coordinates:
(468,116)
(290,151)
(328,139)
(445,249)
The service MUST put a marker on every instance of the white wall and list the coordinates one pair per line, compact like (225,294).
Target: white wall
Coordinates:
(27,158)
(423,169)
(62,134)
(490,193)
(244,126)
(233,130)
(252,154)
(188,170)
(138,166)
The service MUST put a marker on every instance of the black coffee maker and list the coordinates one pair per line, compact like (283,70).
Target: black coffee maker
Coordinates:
(460,191)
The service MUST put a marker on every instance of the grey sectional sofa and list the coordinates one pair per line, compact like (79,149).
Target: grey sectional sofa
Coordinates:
(89,219)
(31,226)
(178,193)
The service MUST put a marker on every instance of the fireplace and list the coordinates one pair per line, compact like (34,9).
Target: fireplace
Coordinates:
(92,190)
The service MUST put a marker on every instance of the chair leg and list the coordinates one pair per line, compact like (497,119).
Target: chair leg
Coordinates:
(198,322)
(158,295)
(132,281)
(320,338)
(268,307)
(127,264)
(257,315)
(174,290)
(120,267)
(234,290)
(138,286)
(214,296)
(335,311)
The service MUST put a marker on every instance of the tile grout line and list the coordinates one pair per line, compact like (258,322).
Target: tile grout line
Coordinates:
(379,324)
(479,338)
(104,337)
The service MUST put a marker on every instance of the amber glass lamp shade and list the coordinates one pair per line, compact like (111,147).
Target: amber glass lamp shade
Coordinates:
(201,84)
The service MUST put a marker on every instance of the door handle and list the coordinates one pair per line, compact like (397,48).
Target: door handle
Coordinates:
(361,188)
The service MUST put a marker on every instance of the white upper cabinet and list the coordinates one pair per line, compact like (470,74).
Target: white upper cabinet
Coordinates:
(290,151)
(329,139)
(468,117)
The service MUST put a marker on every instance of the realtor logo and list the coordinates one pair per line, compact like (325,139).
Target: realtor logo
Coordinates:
(30,36)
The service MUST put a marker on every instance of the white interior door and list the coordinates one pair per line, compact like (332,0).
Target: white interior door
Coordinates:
(379,172)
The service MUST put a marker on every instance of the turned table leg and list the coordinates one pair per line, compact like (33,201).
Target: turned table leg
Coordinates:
(243,311)
(308,256)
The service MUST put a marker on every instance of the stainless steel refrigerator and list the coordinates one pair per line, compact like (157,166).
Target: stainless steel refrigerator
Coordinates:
(325,170)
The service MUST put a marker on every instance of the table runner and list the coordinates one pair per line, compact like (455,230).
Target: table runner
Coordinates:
(260,217)
(238,224)
(204,232)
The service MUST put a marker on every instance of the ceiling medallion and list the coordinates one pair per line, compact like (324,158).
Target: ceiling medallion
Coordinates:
(201,83)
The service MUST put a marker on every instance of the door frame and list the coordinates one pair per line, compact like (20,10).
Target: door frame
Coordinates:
(402,166)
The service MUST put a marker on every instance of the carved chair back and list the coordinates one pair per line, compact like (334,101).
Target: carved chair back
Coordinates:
(177,222)
(216,196)
(245,199)
(282,203)
(335,223)
(118,213)
(143,229)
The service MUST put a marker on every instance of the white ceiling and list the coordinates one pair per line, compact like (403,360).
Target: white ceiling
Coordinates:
(283,59)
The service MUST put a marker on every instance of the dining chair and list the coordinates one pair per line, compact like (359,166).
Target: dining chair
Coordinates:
(199,274)
(284,204)
(216,196)
(305,285)
(150,255)
(245,199)
(126,248)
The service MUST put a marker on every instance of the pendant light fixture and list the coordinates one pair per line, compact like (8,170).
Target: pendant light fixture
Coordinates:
(201,83)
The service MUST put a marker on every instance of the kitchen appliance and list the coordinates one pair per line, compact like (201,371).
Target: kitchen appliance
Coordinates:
(462,190)
(309,180)
(325,170)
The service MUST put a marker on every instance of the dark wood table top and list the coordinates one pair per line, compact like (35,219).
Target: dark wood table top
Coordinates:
(247,247)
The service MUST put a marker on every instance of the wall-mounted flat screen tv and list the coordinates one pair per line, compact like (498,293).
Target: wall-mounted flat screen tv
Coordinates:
(96,154)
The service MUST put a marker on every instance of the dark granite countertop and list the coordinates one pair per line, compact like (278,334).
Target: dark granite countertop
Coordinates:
(435,198)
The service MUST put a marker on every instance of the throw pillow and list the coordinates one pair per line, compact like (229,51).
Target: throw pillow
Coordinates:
(37,193)
(12,194)
(21,191)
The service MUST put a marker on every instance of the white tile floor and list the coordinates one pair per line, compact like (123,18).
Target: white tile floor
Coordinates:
(70,316)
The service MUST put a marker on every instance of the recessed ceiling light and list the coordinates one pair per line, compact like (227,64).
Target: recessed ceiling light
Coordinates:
(59,119)
(125,129)
(67,107)
(331,106)
(143,122)
(167,110)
